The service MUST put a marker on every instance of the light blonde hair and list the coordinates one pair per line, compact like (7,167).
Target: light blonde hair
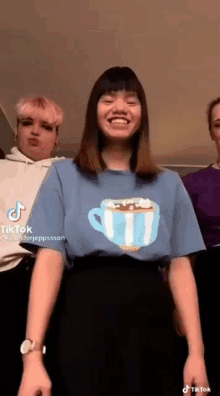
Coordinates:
(41,107)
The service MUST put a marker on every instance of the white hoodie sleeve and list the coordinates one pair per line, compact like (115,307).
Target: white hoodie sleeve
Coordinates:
(46,221)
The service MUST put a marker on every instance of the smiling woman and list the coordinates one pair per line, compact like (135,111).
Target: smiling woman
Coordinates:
(114,328)
(119,110)
(117,96)
(119,117)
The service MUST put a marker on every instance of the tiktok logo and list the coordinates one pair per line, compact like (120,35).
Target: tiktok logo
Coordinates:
(16,211)
(195,389)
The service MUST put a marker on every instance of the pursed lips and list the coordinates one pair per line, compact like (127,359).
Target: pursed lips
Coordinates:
(33,140)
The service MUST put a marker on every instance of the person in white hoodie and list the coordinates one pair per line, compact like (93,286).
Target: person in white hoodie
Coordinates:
(21,174)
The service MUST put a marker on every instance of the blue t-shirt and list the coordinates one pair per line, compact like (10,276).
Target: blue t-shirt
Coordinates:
(113,215)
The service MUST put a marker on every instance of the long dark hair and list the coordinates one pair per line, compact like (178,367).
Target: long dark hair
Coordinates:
(89,155)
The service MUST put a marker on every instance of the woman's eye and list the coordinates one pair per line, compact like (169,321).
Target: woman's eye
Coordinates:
(47,127)
(26,123)
(217,125)
(108,101)
(132,103)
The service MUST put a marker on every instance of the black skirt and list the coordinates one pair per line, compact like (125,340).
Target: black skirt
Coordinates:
(112,331)
(14,293)
(207,275)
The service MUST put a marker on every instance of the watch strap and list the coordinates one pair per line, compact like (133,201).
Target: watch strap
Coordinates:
(37,346)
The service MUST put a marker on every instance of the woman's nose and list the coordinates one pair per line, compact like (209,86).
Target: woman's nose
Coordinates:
(35,129)
(120,106)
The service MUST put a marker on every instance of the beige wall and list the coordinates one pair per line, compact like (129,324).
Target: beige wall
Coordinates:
(59,49)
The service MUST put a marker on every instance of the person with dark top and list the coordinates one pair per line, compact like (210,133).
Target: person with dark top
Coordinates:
(203,188)
(102,226)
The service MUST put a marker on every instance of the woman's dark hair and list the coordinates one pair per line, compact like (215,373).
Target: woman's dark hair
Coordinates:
(2,154)
(210,107)
(89,156)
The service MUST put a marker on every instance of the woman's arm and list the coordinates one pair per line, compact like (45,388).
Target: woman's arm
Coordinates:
(183,287)
(45,284)
(177,315)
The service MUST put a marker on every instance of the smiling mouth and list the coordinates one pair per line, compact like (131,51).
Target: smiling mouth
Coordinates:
(118,120)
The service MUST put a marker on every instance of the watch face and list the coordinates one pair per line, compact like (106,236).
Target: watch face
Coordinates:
(25,346)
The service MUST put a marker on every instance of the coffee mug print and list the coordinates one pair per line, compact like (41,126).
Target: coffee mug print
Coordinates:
(129,223)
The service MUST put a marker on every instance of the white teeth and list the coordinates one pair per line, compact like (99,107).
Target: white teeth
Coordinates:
(119,121)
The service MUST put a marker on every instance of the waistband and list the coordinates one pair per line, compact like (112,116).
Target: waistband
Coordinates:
(90,262)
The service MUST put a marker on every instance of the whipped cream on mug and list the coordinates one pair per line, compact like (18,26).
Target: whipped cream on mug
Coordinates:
(129,204)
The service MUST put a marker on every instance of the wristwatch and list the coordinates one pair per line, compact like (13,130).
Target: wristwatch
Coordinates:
(29,345)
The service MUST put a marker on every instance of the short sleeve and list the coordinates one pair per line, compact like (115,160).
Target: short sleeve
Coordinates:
(45,226)
(186,236)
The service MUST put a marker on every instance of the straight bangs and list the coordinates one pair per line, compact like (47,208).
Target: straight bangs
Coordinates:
(130,85)
(119,79)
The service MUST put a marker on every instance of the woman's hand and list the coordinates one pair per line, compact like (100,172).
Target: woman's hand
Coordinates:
(195,376)
(35,380)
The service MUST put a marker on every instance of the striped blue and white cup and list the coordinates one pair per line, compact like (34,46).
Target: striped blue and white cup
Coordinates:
(129,229)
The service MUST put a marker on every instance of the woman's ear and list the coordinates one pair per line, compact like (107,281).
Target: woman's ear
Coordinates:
(56,148)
